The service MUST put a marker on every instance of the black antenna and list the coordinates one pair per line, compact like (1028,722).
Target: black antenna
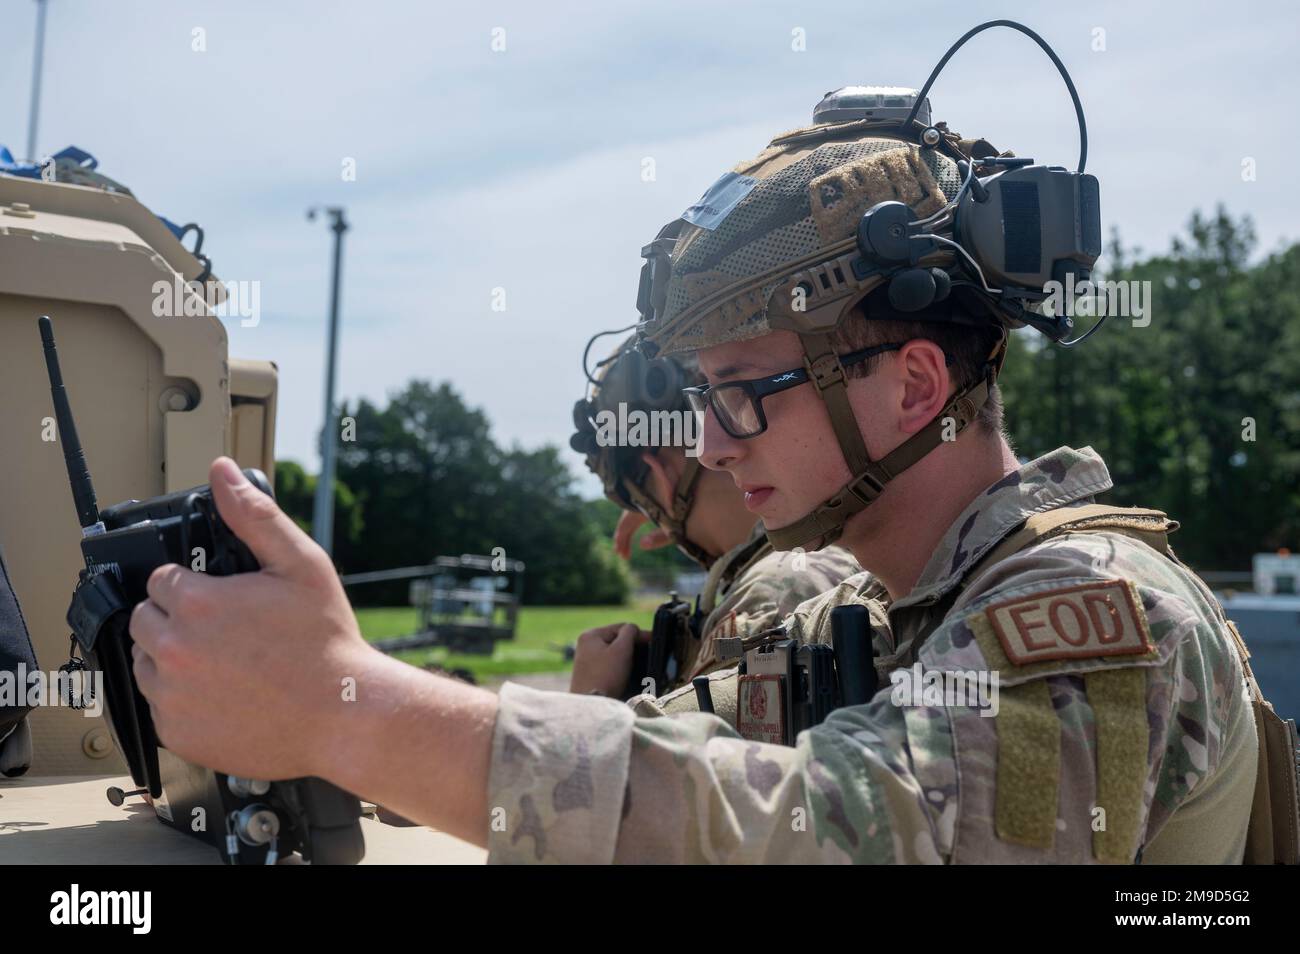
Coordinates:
(1056,61)
(83,491)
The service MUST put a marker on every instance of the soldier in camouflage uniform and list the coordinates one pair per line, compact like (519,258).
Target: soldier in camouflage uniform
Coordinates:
(1117,724)
(1122,728)
(749,586)
(1163,740)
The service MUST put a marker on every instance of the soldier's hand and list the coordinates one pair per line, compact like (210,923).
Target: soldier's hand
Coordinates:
(602,661)
(628,524)
(245,673)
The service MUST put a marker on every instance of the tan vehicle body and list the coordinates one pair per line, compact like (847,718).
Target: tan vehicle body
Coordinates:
(90,260)
(155,400)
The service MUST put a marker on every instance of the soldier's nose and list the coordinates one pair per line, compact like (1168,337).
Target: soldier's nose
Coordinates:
(717,449)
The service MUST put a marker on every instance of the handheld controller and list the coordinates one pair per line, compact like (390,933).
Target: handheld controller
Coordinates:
(658,660)
(249,821)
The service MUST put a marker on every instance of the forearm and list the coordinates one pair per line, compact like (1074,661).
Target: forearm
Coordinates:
(416,743)
(583,780)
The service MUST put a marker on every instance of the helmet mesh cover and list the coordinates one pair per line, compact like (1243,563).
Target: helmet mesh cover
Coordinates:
(796,210)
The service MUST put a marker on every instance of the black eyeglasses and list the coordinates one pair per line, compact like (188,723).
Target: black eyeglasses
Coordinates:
(738,405)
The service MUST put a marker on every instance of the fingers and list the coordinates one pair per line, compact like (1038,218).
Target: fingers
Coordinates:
(655,539)
(628,523)
(255,518)
(601,634)
(146,670)
(148,625)
(629,634)
(168,586)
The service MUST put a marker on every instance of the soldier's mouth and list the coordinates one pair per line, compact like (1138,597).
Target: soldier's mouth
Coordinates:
(757,496)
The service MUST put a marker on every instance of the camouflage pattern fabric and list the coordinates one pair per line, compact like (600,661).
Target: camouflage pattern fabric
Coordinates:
(760,593)
(750,589)
(811,186)
(582,779)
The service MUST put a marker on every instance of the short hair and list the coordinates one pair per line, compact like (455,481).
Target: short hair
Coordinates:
(967,345)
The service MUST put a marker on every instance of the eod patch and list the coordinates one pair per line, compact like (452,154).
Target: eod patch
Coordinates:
(1073,622)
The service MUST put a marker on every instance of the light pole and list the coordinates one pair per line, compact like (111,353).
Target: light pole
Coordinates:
(36,79)
(322,520)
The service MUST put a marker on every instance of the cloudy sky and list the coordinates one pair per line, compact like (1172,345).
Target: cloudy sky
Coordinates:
(522,168)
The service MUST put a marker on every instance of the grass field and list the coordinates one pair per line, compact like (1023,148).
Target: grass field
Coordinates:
(541,634)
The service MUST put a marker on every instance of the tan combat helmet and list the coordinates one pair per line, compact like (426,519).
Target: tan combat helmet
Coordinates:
(786,257)
(629,382)
(155,396)
(947,228)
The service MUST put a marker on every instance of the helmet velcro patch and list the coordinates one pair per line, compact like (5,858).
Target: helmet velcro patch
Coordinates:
(840,197)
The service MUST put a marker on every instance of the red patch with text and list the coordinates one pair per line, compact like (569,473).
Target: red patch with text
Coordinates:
(760,715)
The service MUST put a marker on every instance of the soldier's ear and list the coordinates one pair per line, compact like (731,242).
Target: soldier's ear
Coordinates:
(924,383)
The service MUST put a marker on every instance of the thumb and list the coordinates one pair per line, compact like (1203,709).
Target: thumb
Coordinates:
(276,541)
(627,636)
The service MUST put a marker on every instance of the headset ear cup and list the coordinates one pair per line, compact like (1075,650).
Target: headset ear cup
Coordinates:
(912,290)
(883,235)
(655,382)
(582,415)
(942,283)
(626,379)
(663,383)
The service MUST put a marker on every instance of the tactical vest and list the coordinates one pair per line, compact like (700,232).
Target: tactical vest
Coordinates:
(1273,834)
(724,572)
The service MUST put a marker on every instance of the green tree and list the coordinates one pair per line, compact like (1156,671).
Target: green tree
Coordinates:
(295,489)
(551,530)
(658,566)
(1195,412)
(431,481)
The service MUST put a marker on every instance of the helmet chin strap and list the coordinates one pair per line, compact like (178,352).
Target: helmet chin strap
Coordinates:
(824,525)
(673,522)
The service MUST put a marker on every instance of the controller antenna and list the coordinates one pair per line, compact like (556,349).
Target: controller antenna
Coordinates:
(83,491)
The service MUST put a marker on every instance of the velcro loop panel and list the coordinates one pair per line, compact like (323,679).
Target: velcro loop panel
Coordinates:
(1029,766)
(1118,698)
(841,195)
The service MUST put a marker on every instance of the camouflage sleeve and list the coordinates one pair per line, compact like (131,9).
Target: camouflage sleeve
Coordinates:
(558,776)
(581,779)
(934,769)
(1091,751)
(578,779)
